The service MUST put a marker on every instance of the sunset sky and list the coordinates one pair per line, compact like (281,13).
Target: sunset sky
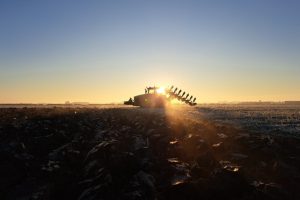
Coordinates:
(108,51)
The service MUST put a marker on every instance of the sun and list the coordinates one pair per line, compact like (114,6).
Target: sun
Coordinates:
(161,90)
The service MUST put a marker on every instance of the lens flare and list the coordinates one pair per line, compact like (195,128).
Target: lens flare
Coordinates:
(161,90)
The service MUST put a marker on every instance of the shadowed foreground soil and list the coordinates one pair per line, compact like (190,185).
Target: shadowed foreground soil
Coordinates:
(133,153)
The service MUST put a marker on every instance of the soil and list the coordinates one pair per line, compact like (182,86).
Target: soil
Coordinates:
(135,153)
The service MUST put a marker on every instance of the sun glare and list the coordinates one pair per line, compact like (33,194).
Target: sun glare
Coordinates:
(161,90)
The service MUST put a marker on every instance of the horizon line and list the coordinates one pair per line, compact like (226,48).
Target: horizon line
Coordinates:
(121,103)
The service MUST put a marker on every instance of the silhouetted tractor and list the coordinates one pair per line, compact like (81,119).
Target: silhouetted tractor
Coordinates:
(160,97)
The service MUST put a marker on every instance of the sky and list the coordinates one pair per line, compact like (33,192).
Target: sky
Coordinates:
(107,51)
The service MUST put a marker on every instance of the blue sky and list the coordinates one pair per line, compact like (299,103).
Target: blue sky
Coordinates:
(106,51)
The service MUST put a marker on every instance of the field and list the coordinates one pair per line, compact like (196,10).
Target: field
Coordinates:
(123,152)
(272,119)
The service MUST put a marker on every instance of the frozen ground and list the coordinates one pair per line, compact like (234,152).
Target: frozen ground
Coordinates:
(265,119)
(120,152)
(268,119)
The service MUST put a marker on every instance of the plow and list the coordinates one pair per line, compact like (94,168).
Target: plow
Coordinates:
(161,97)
